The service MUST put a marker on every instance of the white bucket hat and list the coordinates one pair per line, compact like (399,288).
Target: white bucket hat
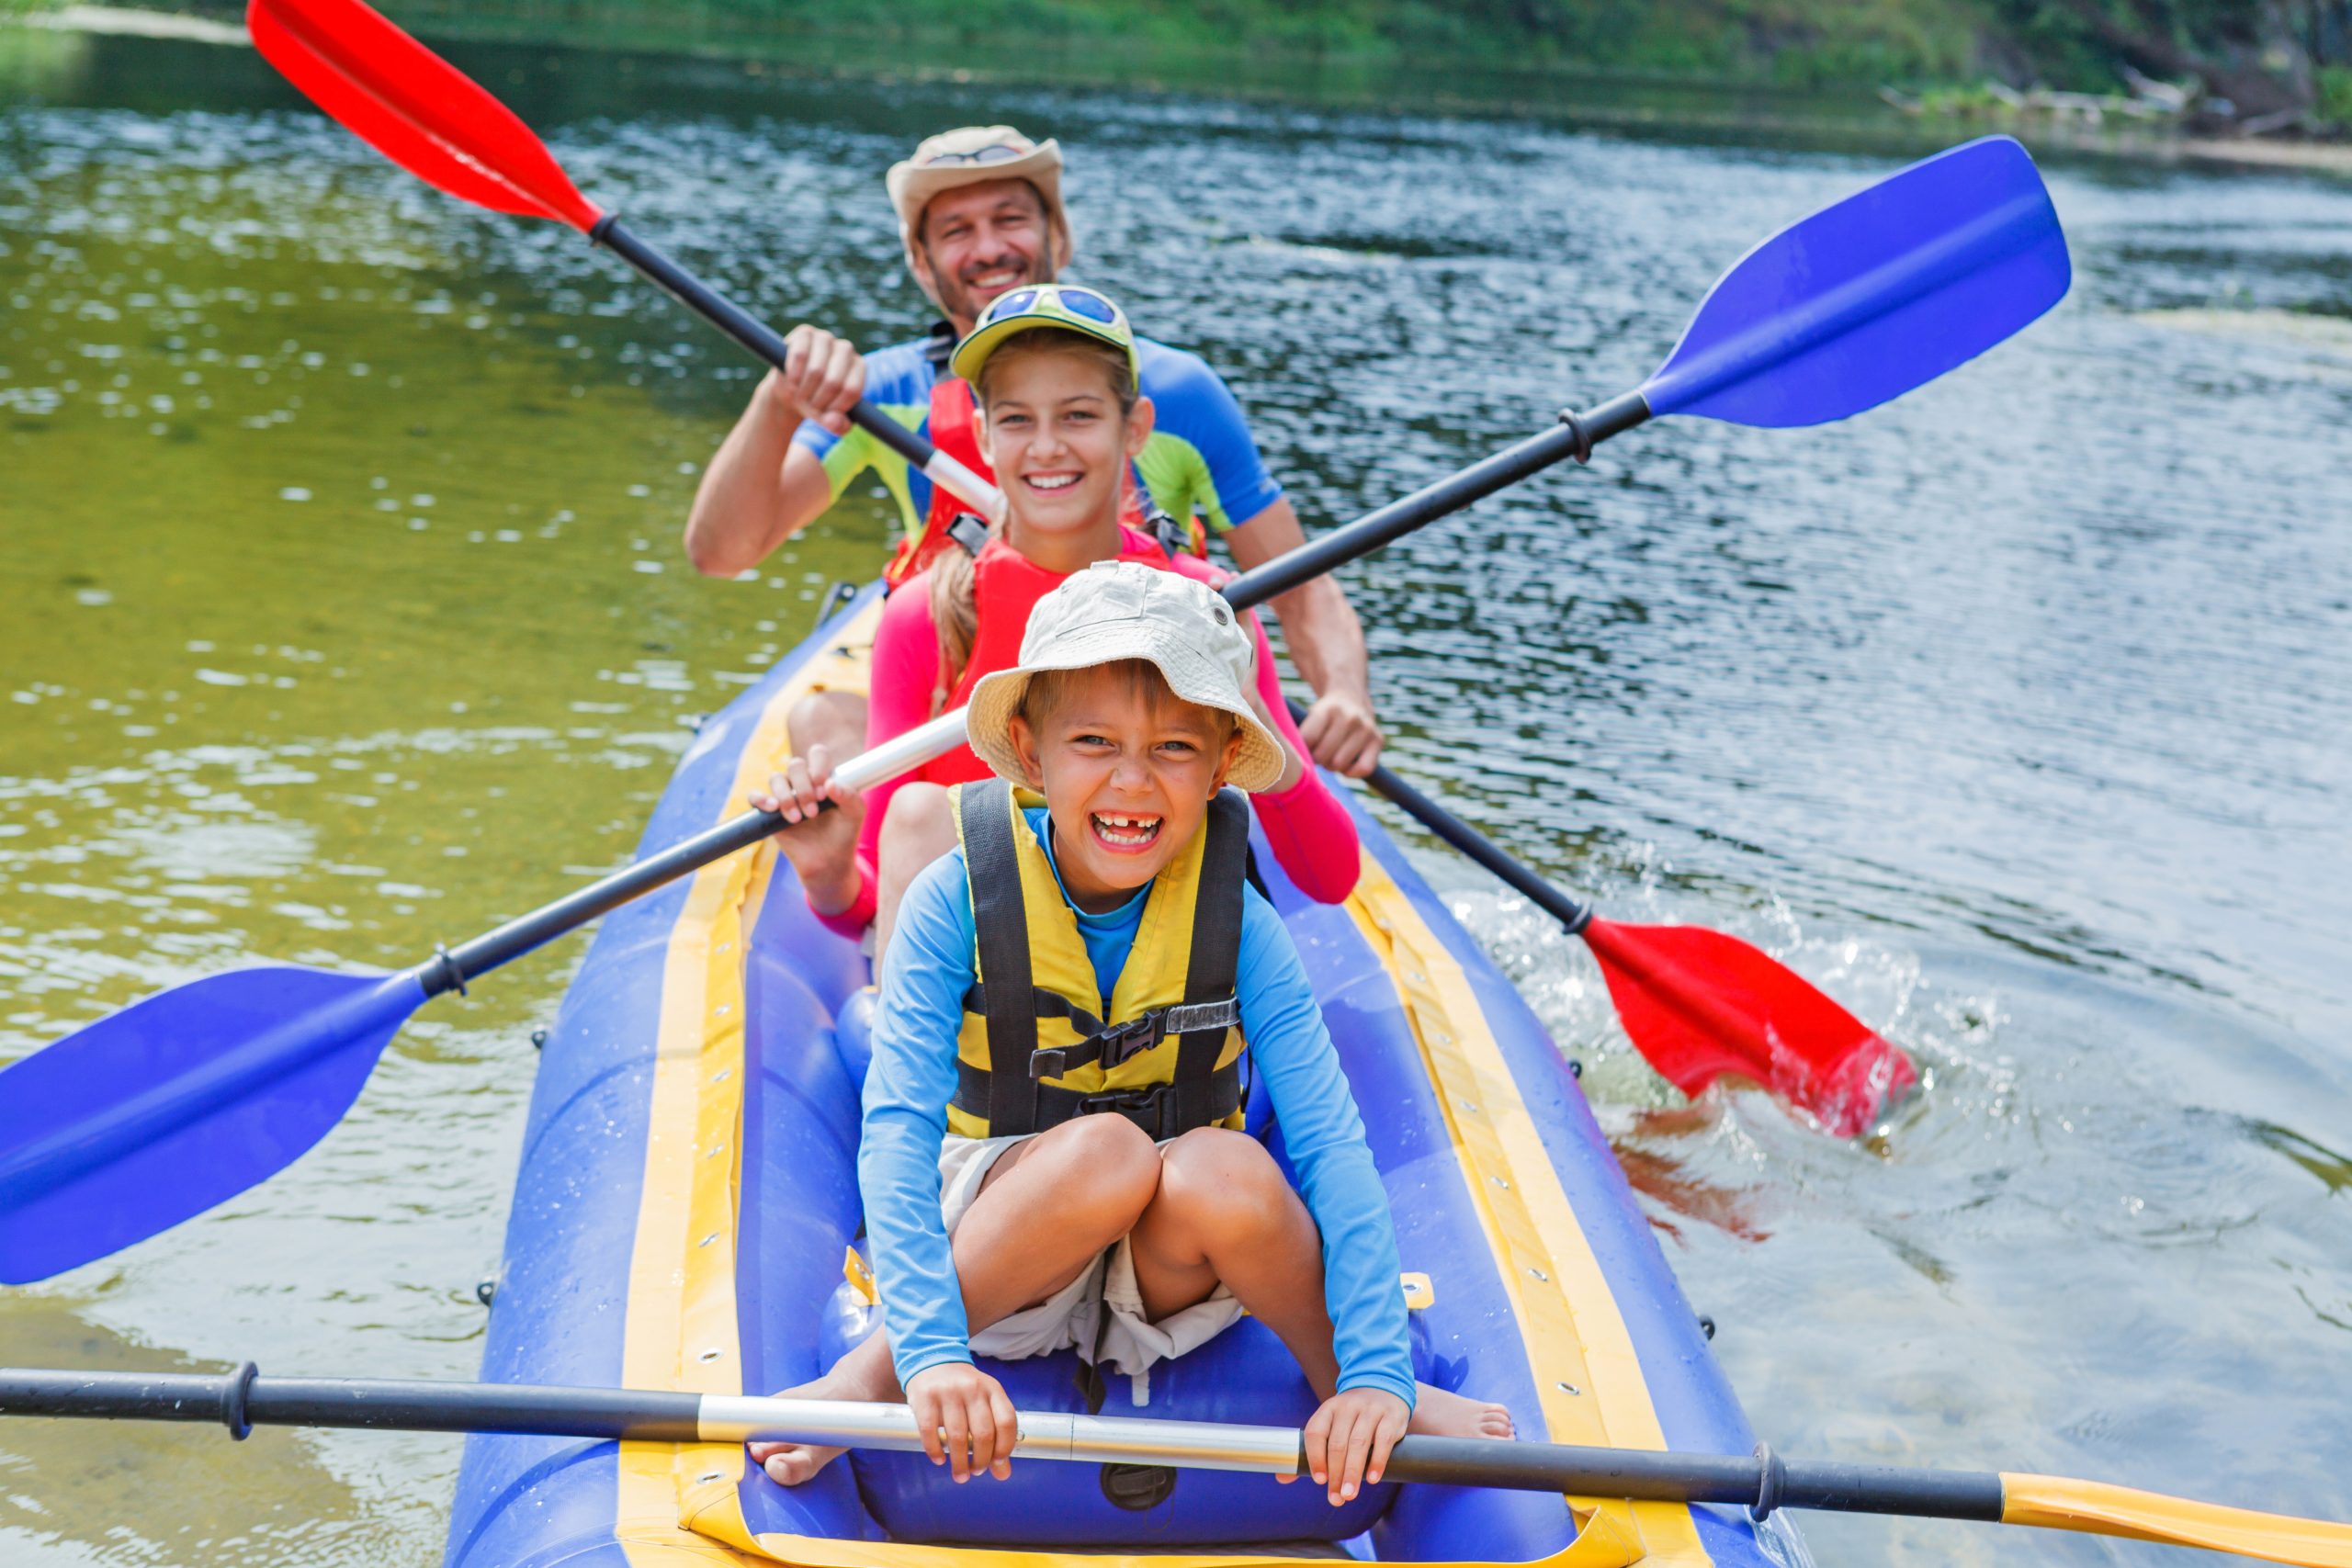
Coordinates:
(1116,610)
(968,156)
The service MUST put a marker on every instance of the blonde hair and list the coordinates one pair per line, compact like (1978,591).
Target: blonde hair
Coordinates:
(954,583)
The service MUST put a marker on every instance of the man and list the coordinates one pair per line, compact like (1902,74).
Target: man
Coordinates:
(980,212)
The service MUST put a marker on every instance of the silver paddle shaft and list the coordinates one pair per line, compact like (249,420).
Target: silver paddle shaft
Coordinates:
(1097,1439)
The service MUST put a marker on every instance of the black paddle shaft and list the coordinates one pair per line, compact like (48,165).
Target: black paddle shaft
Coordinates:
(244,1400)
(449,971)
(1763,1483)
(1475,845)
(1573,436)
(745,329)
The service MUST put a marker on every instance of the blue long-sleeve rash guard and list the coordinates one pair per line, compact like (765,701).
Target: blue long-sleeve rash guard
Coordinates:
(927,970)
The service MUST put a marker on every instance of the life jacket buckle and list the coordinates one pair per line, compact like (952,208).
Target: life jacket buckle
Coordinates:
(1111,1044)
(1123,1041)
(1151,1109)
(968,530)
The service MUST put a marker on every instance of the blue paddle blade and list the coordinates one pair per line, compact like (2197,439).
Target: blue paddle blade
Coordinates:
(1868,298)
(152,1116)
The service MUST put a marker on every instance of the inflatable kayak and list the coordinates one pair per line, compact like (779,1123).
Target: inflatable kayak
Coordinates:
(686,1216)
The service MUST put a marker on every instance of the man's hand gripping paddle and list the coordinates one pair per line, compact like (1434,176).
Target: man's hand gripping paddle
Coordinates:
(149,1117)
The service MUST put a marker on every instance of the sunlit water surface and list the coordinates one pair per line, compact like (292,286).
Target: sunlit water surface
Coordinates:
(343,613)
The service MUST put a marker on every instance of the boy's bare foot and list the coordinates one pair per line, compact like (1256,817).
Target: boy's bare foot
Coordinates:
(790,1464)
(1437,1413)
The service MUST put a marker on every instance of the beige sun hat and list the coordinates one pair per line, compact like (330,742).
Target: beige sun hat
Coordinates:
(968,156)
(1116,610)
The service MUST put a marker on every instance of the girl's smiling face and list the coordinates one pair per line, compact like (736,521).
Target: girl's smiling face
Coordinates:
(1057,438)
(1128,770)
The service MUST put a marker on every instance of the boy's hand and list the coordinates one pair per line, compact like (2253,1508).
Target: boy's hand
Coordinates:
(969,1407)
(1348,1440)
(821,845)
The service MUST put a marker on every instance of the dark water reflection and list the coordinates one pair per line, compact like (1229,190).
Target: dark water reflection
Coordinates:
(345,614)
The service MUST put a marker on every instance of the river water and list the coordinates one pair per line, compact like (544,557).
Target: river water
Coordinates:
(344,613)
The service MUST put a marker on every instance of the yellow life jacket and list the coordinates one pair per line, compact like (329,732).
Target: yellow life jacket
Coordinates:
(1166,1051)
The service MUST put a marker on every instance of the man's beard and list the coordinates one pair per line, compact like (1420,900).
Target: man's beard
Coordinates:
(956,297)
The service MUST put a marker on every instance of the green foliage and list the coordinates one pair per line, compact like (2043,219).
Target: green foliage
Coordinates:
(1796,42)
(1791,43)
(2335,94)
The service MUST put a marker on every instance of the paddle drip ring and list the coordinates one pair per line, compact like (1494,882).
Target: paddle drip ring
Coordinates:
(1773,1478)
(1576,432)
(445,974)
(232,1401)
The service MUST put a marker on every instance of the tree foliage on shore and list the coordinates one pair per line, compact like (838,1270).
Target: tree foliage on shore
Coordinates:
(2267,57)
(2261,58)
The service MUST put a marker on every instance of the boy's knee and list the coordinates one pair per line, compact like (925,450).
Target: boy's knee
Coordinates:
(1213,1175)
(919,818)
(1105,1169)
(835,720)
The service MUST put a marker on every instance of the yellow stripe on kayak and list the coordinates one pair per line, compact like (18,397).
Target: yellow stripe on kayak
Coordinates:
(2052,1502)
(682,1331)
(682,1504)
(1587,1376)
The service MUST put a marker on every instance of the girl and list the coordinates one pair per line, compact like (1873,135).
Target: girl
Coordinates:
(1055,369)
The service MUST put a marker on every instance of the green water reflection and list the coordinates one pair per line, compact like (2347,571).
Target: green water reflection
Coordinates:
(344,616)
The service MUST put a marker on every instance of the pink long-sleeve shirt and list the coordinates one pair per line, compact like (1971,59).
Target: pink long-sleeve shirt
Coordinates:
(1308,829)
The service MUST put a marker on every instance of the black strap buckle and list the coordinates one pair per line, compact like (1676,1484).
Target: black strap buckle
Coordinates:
(968,530)
(1123,1041)
(1111,1045)
(1174,539)
(1152,1108)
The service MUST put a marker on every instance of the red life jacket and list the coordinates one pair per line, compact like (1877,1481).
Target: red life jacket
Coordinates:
(955,430)
(1006,585)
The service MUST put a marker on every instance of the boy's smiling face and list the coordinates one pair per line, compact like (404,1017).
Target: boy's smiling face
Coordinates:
(1128,770)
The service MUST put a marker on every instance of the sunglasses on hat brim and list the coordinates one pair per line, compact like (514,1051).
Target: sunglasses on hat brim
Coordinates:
(1002,152)
(1084,303)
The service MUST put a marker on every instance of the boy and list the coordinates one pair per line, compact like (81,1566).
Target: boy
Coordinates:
(1011,1138)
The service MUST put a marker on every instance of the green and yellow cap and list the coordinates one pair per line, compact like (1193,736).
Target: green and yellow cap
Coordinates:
(1063,306)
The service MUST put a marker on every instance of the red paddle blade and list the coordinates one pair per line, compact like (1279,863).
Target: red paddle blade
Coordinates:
(414,107)
(1699,1004)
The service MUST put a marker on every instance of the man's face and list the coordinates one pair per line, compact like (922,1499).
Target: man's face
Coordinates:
(978,241)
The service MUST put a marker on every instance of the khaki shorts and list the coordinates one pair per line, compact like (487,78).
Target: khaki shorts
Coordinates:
(1105,1295)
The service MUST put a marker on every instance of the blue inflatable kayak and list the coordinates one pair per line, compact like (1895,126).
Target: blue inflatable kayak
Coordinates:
(686,1216)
